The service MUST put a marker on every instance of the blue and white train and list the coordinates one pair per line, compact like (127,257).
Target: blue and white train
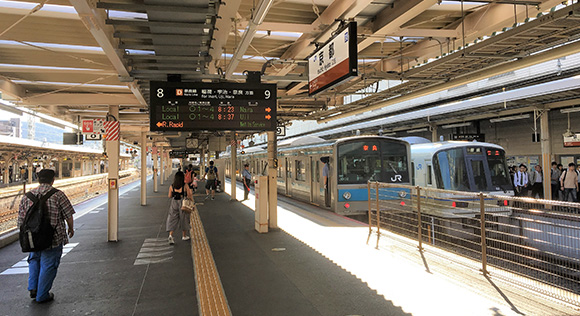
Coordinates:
(353,162)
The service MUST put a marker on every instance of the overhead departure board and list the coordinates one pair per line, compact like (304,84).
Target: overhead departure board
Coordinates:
(189,106)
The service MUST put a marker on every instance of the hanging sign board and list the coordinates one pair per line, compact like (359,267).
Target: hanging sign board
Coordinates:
(335,62)
(572,141)
(194,106)
(469,137)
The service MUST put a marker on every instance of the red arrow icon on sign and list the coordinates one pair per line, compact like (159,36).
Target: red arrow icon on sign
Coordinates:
(268,110)
(268,117)
(159,124)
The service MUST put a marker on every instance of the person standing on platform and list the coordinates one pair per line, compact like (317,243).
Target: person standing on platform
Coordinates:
(537,182)
(177,218)
(189,176)
(43,265)
(325,177)
(211,183)
(569,182)
(554,181)
(247,179)
(521,181)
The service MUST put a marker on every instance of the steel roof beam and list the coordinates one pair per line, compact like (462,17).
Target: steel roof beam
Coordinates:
(167,58)
(12,89)
(469,78)
(147,24)
(222,31)
(93,21)
(390,19)
(143,8)
(83,99)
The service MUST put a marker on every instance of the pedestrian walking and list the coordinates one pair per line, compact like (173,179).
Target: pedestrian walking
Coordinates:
(43,264)
(247,179)
(537,183)
(555,174)
(211,183)
(176,218)
(569,182)
(521,181)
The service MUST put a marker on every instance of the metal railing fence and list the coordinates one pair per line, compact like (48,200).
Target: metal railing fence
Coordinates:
(76,189)
(533,243)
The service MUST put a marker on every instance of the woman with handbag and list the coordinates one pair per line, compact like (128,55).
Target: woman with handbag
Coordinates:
(177,216)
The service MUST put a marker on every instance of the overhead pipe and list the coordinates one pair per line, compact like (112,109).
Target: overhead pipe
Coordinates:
(259,16)
(551,54)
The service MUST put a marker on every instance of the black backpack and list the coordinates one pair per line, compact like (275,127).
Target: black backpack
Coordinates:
(36,232)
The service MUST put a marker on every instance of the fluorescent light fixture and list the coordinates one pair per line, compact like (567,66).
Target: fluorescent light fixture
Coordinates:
(418,130)
(10,108)
(456,125)
(570,110)
(260,13)
(509,118)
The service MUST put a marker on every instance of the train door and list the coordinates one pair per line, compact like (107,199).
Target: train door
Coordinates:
(288,175)
(314,184)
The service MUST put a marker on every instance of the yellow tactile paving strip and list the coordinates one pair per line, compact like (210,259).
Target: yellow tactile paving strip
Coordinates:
(211,296)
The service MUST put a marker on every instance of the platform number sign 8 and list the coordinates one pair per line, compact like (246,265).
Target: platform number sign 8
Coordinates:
(160,93)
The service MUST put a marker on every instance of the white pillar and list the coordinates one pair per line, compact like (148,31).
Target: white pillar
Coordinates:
(6,171)
(234,162)
(546,154)
(143,168)
(162,167)
(202,160)
(155,166)
(59,168)
(30,170)
(113,154)
(272,184)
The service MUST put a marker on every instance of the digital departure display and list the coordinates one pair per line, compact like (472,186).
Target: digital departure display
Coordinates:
(177,106)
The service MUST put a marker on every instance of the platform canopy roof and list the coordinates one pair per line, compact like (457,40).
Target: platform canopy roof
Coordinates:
(72,59)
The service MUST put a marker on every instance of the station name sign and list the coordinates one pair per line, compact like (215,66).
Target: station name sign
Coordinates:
(335,62)
(189,106)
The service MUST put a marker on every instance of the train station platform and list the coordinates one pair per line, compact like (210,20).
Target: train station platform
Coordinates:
(318,263)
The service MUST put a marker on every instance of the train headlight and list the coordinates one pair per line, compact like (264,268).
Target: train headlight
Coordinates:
(346,195)
(403,194)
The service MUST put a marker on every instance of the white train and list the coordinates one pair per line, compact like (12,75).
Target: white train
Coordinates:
(461,166)
(353,161)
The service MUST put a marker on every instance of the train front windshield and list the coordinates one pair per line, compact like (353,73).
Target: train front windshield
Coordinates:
(375,160)
(472,169)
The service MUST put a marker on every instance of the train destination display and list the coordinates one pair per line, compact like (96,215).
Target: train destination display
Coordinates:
(177,106)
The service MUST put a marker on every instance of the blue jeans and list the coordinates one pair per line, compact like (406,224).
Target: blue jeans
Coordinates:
(42,268)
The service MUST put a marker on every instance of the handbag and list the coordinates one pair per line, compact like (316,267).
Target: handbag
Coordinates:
(187,206)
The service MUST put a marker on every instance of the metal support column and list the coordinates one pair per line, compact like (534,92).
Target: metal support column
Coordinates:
(434,135)
(234,167)
(155,169)
(202,161)
(113,152)
(546,153)
(143,168)
(272,184)
(30,171)
(59,168)
(72,169)
(162,166)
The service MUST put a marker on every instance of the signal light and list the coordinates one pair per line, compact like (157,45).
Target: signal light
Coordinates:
(402,203)
(454,204)
(505,203)
(346,205)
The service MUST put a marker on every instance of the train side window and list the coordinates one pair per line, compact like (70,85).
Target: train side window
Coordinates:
(429,175)
(300,170)
(412,173)
(317,171)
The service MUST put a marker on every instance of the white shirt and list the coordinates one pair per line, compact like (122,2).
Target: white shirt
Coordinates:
(520,179)
(538,177)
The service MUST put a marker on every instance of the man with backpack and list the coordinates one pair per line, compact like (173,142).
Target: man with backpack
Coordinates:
(41,218)
(189,176)
(569,182)
(211,183)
